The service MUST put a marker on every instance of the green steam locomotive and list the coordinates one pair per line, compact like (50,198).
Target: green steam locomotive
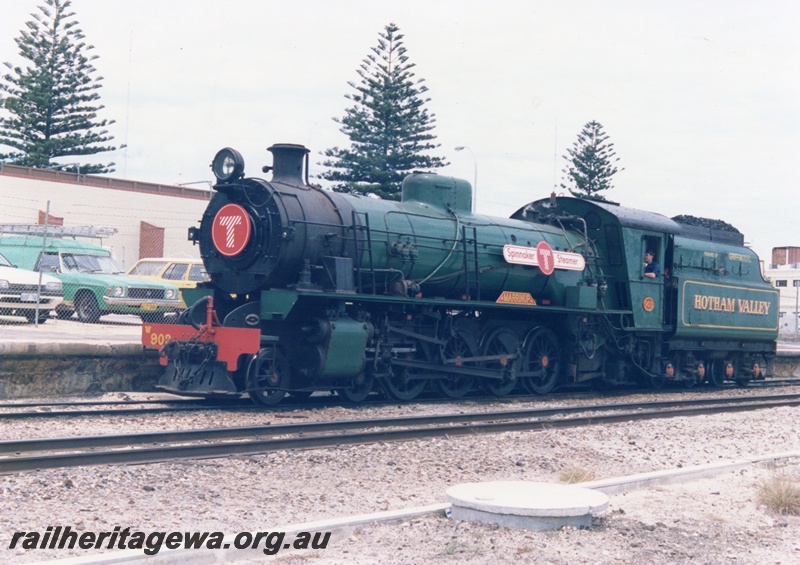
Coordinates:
(315,290)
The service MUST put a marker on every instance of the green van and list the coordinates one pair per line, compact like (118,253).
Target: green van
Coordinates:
(93,283)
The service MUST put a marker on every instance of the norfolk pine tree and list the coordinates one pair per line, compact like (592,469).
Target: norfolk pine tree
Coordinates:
(47,109)
(591,163)
(388,127)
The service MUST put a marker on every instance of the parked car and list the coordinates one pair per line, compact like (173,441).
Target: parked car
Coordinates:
(93,283)
(20,291)
(183,273)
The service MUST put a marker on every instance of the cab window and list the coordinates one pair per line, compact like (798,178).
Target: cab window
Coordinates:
(651,244)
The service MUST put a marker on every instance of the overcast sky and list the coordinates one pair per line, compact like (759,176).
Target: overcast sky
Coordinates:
(699,97)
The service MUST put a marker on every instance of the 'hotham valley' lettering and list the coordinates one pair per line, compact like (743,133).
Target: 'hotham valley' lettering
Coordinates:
(732,305)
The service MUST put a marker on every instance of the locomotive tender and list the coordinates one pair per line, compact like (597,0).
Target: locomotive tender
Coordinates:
(316,290)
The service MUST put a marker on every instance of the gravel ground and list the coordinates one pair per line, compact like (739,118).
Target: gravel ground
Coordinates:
(716,520)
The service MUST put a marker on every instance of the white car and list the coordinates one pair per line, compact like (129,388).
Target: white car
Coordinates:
(20,292)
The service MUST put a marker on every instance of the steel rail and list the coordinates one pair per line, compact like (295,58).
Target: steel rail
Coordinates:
(454,427)
(177,401)
(114,412)
(242,432)
(245,405)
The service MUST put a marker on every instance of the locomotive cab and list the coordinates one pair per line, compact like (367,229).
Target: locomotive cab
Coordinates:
(622,235)
(707,316)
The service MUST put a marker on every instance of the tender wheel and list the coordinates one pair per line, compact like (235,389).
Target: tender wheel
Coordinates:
(358,389)
(501,341)
(740,377)
(656,382)
(405,383)
(691,373)
(667,374)
(87,308)
(617,372)
(716,373)
(451,385)
(541,361)
(758,368)
(701,371)
(267,376)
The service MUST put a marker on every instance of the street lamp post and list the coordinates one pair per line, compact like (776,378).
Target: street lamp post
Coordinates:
(207,182)
(77,169)
(475,180)
(796,284)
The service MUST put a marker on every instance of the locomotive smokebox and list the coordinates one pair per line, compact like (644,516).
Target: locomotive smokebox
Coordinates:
(257,234)
(289,163)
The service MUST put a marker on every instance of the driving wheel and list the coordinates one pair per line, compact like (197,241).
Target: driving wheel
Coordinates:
(540,361)
(501,341)
(358,389)
(407,383)
(453,385)
(267,376)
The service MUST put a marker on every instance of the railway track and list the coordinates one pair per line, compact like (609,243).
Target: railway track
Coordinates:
(127,408)
(83,403)
(111,408)
(48,453)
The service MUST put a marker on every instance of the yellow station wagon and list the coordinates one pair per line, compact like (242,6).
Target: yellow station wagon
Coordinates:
(183,273)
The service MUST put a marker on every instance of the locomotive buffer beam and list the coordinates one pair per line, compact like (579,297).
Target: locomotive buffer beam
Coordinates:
(208,379)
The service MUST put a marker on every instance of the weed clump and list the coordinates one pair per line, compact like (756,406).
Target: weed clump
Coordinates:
(574,474)
(781,494)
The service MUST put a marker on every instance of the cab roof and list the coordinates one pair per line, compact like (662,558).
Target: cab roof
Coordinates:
(547,210)
(626,217)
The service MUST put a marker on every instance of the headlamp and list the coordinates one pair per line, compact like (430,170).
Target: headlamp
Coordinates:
(228,165)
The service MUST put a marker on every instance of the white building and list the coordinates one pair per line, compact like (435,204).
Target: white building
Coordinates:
(784,274)
(151,220)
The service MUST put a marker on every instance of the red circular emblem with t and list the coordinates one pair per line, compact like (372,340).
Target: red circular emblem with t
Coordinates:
(231,230)
(544,257)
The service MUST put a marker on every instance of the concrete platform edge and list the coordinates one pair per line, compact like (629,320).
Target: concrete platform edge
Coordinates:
(69,349)
(619,485)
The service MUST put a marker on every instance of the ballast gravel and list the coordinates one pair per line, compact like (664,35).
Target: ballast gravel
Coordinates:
(712,520)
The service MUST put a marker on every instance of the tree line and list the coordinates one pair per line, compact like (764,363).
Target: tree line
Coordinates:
(50,108)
